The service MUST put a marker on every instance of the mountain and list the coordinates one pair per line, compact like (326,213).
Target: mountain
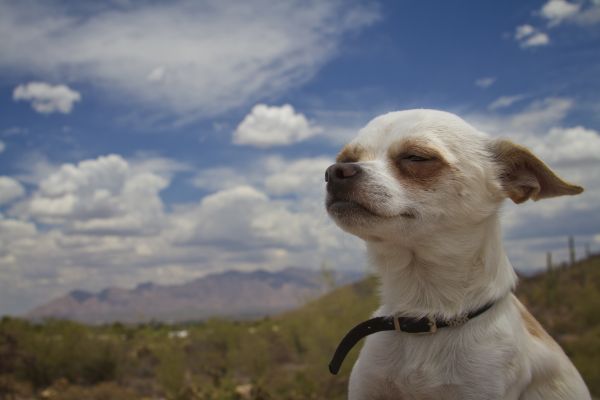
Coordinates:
(231,294)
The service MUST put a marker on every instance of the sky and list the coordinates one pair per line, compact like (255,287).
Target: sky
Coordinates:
(163,141)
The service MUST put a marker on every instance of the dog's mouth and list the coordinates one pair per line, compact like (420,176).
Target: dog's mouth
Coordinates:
(341,208)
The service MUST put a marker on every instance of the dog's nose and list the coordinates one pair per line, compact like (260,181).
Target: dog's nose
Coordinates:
(342,171)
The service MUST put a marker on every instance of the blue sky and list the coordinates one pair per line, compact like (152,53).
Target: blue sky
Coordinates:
(146,141)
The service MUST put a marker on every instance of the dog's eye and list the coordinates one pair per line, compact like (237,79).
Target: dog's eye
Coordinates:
(415,158)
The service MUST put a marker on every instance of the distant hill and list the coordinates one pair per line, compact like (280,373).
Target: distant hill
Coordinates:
(230,294)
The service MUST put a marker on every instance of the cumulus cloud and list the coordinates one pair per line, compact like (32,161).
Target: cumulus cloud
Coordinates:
(523,31)
(534,119)
(582,13)
(541,114)
(10,190)
(13,230)
(505,101)
(102,221)
(558,10)
(298,176)
(570,146)
(485,82)
(218,178)
(537,39)
(105,224)
(274,175)
(273,126)
(102,195)
(188,58)
(588,16)
(243,218)
(528,36)
(533,228)
(46,98)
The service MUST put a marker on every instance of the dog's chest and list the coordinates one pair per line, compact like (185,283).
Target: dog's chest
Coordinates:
(442,367)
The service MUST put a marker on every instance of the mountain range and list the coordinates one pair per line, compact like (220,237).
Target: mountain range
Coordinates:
(231,294)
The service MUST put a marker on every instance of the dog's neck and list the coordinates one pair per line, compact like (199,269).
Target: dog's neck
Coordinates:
(445,275)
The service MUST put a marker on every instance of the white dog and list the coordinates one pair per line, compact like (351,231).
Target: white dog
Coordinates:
(423,189)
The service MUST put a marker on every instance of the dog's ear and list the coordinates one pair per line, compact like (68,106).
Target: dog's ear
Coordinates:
(524,176)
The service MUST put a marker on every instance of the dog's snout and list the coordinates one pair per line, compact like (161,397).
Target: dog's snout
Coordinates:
(341,171)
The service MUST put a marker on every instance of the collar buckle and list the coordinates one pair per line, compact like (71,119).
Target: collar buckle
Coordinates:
(432,326)
(421,326)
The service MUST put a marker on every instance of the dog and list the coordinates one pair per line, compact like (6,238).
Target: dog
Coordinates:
(424,189)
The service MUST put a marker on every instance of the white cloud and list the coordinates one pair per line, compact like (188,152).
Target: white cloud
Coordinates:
(13,229)
(99,196)
(243,217)
(219,178)
(144,162)
(523,31)
(273,126)
(189,58)
(2,146)
(537,39)
(10,190)
(541,114)
(555,11)
(105,224)
(227,215)
(528,36)
(273,175)
(485,82)
(588,16)
(297,177)
(535,119)
(341,126)
(533,228)
(157,74)
(505,101)
(572,146)
(582,13)
(46,98)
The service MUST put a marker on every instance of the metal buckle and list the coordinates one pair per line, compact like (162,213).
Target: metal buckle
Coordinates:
(432,326)
(430,323)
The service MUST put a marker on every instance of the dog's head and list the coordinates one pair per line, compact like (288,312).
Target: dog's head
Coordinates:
(412,173)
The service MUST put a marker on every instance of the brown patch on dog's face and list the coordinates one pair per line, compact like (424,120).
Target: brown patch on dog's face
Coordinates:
(415,162)
(353,153)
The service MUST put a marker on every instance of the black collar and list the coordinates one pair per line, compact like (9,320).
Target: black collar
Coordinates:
(403,324)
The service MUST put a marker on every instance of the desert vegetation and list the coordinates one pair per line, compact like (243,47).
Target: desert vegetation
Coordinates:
(283,357)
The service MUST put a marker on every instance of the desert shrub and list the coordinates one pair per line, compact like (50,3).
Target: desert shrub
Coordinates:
(103,391)
(41,354)
(585,354)
(170,371)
